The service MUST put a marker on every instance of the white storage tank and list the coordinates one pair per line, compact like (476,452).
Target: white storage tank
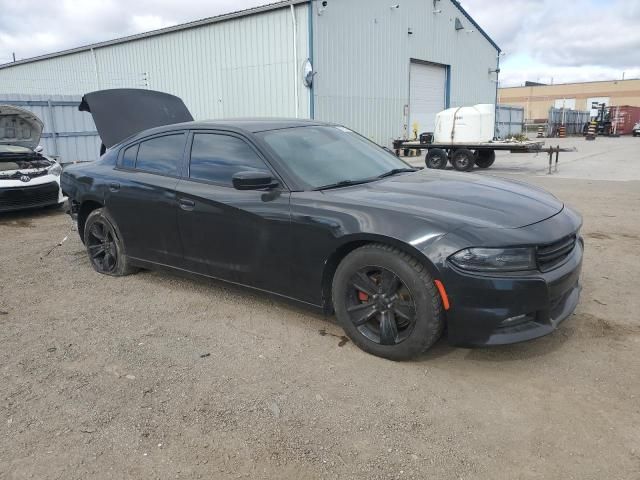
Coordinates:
(465,124)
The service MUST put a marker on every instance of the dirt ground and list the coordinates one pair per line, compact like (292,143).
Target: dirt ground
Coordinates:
(159,376)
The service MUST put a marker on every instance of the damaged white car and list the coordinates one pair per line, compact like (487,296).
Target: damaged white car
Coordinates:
(28,179)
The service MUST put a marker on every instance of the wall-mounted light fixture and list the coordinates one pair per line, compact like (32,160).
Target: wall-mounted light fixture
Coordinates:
(458,24)
(307,73)
(435,12)
(323,7)
(409,31)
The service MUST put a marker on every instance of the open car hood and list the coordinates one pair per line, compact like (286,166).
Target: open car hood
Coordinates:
(122,112)
(19,127)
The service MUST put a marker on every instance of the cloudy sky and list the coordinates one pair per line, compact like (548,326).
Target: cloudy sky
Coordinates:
(544,40)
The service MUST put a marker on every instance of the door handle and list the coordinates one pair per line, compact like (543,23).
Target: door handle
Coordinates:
(186,204)
(114,187)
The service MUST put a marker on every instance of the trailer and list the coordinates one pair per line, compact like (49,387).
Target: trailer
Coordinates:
(464,156)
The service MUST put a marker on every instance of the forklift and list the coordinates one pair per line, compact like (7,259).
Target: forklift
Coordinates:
(604,126)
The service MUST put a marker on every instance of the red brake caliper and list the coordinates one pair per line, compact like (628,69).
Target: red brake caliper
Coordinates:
(363,297)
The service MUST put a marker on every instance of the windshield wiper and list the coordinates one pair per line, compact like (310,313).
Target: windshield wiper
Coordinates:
(343,183)
(397,170)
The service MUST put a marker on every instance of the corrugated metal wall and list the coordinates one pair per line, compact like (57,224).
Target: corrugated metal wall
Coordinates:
(509,121)
(238,67)
(362,52)
(245,66)
(69,135)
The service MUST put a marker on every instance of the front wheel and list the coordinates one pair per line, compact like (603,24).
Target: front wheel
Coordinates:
(104,245)
(386,302)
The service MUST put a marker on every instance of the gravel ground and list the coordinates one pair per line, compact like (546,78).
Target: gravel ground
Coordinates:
(159,376)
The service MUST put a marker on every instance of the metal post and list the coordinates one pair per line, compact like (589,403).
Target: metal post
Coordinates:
(557,155)
(550,151)
(295,59)
(54,131)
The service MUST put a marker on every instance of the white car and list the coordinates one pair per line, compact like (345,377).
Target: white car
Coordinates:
(28,178)
(636,130)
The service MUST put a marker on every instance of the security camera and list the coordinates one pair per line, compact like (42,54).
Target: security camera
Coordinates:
(397,5)
(324,3)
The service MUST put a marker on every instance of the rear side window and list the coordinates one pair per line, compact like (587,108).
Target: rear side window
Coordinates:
(216,158)
(161,154)
(129,157)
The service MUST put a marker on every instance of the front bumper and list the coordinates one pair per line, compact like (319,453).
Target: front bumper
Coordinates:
(39,192)
(480,304)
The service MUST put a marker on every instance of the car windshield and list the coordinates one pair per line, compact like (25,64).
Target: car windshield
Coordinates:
(324,156)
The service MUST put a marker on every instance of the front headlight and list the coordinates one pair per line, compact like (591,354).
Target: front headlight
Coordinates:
(495,259)
(55,169)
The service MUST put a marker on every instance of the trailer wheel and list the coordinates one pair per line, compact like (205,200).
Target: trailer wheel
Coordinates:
(485,158)
(463,160)
(436,158)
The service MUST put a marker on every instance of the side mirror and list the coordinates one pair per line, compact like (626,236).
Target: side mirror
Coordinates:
(253,180)
(38,149)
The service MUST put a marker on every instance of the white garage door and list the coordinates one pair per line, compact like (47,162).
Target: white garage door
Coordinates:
(427,90)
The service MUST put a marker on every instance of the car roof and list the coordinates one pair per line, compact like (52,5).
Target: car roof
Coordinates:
(238,125)
(254,125)
(248,125)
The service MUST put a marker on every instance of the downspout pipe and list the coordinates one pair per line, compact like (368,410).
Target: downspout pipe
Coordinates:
(312,113)
(295,59)
(95,68)
(495,114)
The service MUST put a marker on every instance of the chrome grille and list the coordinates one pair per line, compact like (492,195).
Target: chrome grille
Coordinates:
(552,255)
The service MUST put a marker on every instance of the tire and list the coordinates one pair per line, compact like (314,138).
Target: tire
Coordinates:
(485,158)
(436,158)
(463,160)
(104,245)
(397,327)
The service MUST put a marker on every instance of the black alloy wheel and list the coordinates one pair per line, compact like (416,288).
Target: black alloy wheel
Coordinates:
(104,245)
(101,246)
(380,306)
(386,302)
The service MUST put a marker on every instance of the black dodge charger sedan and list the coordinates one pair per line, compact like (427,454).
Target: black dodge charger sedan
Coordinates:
(315,212)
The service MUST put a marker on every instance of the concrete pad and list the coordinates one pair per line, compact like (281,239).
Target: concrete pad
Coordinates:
(605,158)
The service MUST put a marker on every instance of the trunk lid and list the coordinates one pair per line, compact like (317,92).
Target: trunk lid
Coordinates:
(122,112)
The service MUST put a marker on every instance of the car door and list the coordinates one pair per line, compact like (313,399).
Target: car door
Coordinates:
(142,198)
(237,235)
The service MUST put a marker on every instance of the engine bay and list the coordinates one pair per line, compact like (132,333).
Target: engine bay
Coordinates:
(17,163)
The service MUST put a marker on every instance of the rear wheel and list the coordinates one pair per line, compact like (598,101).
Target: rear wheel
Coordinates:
(485,158)
(104,245)
(463,160)
(386,302)
(436,158)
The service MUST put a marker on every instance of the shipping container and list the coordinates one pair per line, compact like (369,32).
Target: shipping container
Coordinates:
(623,118)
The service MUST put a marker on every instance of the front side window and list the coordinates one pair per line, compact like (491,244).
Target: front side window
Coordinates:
(161,154)
(216,158)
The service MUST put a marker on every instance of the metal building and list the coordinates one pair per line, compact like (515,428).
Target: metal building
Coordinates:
(380,67)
